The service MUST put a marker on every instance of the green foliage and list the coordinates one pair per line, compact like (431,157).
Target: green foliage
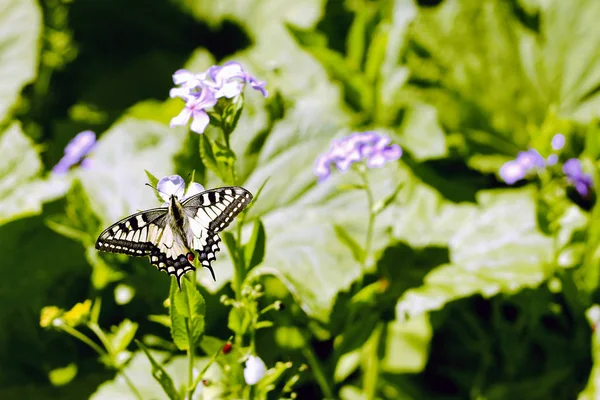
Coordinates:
(426,278)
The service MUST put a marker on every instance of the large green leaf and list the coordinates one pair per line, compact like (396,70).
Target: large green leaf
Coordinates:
(21,191)
(498,250)
(21,23)
(561,60)
(115,182)
(465,60)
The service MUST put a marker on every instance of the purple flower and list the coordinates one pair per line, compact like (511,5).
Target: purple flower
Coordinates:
(512,172)
(530,159)
(230,79)
(202,91)
(195,105)
(515,170)
(75,152)
(371,147)
(175,185)
(552,159)
(558,141)
(581,181)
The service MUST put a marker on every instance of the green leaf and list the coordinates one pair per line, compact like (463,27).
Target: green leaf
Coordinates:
(272,376)
(116,187)
(498,250)
(344,237)
(239,320)
(451,49)
(232,247)
(160,374)
(190,304)
(407,345)
(357,88)
(421,133)
(178,322)
(122,335)
(79,221)
(62,376)
(22,24)
(154,182)
(254,250)
(21,192)
(215,158)
(571,86)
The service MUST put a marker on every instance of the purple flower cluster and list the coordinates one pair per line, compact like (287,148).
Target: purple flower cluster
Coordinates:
(530,160)
(370,146)
(202,91)
(580,180)
(75,152)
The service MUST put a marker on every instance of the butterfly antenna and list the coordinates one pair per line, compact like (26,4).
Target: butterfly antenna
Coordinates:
(155,188)
(183,183)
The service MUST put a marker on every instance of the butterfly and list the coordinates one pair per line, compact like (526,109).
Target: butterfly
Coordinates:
(169,235)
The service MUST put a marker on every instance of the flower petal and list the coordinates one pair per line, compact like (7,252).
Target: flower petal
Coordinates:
(552,159)
(512,171)
(255,370)
(81,145)
(230,70)
(171,185)
(182,92)
(322,169)
(182,76)
(181,119)
(258,85)
(572,168)
(558,141)
(193,190)
(230,90)
(200,121)
(530,159)
(63,166)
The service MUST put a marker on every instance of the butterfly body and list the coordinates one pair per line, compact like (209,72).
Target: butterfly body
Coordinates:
(170,235)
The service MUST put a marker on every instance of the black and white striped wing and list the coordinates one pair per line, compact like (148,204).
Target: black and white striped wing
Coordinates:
(135,235)
(208,213)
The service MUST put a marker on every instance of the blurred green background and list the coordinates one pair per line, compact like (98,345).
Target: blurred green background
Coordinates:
(477,290)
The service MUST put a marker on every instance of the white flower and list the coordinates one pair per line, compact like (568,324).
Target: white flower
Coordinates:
(175,185)
(123,294)
(255,370)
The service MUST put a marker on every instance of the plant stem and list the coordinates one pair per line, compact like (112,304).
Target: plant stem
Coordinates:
(371,370)
(371,222)
(76,334)
(132,387)
(317,371)
(190,354)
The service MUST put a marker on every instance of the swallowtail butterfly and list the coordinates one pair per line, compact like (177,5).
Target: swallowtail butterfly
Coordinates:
(169,235)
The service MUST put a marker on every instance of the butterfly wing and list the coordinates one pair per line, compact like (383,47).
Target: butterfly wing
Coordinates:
(148,233)
(207,214)
(135,235)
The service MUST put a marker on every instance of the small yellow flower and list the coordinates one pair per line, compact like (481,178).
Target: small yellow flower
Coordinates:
(78,313)
(48,315)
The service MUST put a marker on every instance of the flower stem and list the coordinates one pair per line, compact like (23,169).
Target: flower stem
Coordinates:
(371,222)
(190,354)
(317,371)
(132,387)
(76,334)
